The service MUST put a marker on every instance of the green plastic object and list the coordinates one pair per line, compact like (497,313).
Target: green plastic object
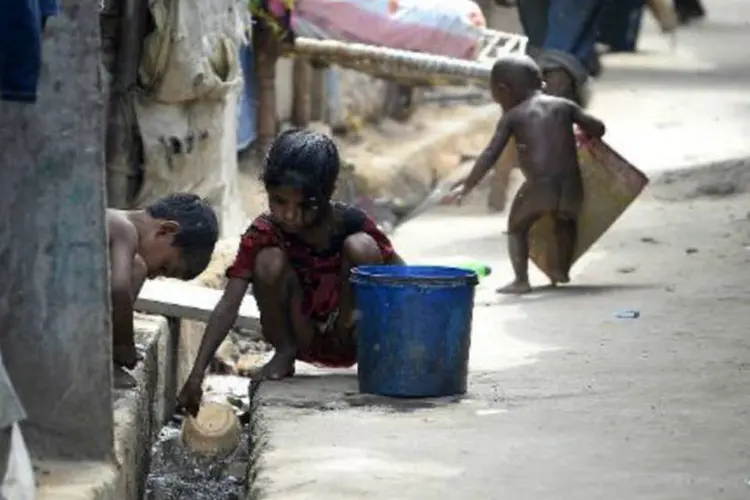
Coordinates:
(481,270)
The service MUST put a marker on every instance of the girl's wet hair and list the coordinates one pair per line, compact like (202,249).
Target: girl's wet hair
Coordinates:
(305,160)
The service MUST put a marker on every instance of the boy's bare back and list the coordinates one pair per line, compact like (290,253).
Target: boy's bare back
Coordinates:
(543,130)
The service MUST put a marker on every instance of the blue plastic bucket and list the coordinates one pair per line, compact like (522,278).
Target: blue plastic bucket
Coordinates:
(413,329)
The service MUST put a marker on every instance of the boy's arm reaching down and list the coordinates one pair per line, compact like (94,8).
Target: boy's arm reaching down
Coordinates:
(122,254)
(490,155)
(591,126)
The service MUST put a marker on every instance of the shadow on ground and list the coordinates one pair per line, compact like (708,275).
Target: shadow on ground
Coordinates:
(549,292)
(339,391)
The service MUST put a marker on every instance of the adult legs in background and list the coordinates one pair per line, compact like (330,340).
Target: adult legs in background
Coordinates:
(687,10)
(533,17)
(562,35)
(620,24)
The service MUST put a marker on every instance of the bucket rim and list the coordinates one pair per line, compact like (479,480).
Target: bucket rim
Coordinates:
(370,273)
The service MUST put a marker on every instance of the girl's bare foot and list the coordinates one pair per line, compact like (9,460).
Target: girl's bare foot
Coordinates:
(518,287)
(280,366)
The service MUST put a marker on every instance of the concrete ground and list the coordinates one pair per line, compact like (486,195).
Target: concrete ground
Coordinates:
(681,101)
(566,400)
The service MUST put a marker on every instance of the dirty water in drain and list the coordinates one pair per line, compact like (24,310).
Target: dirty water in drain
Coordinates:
(177,474)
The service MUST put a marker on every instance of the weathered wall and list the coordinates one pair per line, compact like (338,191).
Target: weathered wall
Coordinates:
(54,295)
(138,415)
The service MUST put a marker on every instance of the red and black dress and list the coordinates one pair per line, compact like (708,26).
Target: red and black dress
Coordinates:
(319,274)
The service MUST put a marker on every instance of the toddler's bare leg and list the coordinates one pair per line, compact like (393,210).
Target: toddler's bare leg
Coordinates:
(565,236)
(518,248)
(279,298)
(523,213)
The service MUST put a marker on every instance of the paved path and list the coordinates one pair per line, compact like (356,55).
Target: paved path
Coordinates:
(567,401)
(670,107)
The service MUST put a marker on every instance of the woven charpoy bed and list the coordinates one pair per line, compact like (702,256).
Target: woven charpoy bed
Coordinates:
(407,67)
(414,42)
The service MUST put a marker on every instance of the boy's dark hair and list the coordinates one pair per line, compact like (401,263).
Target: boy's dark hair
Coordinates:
(519,72)
(199,228)
(305,160)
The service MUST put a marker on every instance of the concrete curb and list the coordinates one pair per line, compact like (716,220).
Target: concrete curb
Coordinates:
(138,416)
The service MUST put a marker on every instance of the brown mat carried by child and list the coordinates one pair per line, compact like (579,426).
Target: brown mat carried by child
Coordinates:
(610,185)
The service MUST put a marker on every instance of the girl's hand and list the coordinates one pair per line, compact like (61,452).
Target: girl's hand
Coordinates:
(189,399)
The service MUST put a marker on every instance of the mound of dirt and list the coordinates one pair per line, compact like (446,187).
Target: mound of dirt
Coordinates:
(715,180)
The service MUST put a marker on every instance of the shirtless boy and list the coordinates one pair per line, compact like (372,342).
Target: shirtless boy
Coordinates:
(298,257)
(174,237)
(542,127)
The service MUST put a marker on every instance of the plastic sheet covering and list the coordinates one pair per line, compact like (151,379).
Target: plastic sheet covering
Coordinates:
(191,148)
(452,28)
(192,52)
(187,117)
(18,483)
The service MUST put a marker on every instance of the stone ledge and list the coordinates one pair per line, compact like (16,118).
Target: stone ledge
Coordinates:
(61,480)
(138,414)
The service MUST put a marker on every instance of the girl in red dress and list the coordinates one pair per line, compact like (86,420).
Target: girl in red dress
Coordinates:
(297,256)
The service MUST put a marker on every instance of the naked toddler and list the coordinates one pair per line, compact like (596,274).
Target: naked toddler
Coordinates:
(542,126)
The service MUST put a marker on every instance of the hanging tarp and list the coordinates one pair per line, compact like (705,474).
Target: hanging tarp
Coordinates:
(192,52)
(451,28)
